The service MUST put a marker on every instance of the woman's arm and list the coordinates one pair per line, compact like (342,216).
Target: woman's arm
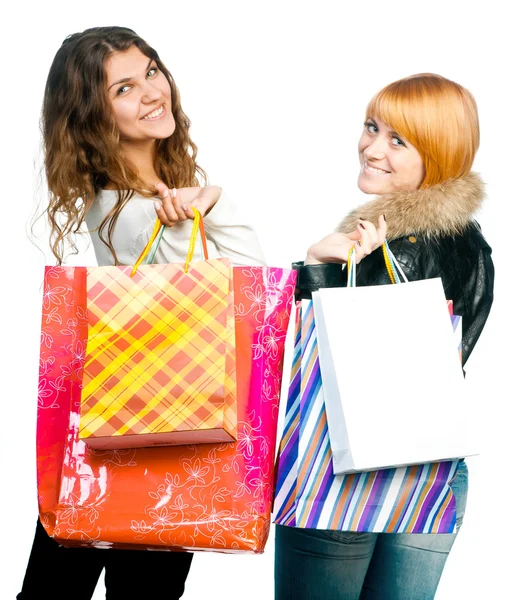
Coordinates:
(324,262)
(480,294)
(336,247)
(465,266)
(224,223)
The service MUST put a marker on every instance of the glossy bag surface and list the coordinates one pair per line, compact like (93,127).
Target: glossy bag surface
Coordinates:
(201,497)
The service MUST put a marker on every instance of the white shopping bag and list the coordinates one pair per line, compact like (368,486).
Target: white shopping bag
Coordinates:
(394,388)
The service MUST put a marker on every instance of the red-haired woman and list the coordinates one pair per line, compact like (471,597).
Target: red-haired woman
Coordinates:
(416,152)
(117,155)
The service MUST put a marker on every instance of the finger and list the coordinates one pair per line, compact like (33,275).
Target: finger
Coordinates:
(359,252)
(197,202)
(365,242)
(207,199)
(177,203)
(382,230)
(371,230)
(354,235)
(162,215)
(165,209)
(170,211)
(162,190)
(377,234)
(198,205)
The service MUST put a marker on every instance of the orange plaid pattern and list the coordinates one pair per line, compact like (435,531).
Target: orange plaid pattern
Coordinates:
(160,363)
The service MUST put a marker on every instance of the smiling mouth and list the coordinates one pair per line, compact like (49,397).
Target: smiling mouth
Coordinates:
(375,170)
(154,115)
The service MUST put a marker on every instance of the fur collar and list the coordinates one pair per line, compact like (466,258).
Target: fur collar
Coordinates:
(444,209)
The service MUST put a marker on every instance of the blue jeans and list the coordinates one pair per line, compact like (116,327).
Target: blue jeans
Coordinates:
(313,564)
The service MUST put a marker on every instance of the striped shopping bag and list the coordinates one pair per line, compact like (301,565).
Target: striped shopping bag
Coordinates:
(416,499)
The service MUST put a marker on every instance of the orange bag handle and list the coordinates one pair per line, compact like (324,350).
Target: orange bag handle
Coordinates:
(198,227)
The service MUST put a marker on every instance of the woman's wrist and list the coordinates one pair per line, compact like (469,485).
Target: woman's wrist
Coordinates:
(311,260)
(314,256)
(214,193)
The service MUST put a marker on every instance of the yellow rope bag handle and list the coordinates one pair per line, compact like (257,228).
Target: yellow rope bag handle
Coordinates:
(197,227)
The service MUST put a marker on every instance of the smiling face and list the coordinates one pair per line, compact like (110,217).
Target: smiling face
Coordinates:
(140,96)
(389,163)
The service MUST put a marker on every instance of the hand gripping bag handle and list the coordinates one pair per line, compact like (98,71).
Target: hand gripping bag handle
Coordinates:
(392,266)
(156,236)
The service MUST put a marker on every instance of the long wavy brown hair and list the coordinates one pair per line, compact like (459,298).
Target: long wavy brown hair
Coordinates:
(82,150)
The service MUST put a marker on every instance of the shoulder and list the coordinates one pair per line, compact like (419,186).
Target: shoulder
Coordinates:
(473,238)
(427,256)
(470,241)
(102,203)
(132,228)
(135,209)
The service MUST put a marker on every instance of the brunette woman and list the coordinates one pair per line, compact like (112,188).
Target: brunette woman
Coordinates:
(118,154)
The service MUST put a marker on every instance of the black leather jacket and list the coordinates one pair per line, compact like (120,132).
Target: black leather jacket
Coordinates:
(462,261)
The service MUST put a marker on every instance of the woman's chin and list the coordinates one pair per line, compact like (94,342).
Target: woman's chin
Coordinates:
(371,186)
(165,131)
(159,130)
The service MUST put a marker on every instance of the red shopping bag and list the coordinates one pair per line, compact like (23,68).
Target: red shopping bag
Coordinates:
(202,497)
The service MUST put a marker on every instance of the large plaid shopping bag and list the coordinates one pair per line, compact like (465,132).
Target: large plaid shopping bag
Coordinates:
(160,359)
(415,499)
(194,497)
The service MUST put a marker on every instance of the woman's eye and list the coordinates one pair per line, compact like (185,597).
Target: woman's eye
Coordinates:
(152,71)
(121,90)
(371,127)
(397,141)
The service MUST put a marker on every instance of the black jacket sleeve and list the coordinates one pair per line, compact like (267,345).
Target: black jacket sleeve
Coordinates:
(465,266)
(463,262)
(313,277)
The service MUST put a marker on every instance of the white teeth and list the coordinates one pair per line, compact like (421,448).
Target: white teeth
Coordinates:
(155,113)
(374,170)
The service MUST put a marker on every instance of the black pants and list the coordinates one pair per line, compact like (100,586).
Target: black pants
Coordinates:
(59,573)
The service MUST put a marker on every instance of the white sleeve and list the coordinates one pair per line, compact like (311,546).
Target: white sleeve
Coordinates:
(229,230)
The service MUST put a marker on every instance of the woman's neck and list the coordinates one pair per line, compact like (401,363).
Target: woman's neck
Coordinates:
(141,155)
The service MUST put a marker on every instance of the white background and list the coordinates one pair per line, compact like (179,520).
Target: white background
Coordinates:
(276,93)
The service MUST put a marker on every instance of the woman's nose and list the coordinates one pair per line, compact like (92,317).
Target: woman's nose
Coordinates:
(377,149)
(151,93)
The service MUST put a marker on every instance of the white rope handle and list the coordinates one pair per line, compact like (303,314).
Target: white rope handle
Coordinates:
(351,267)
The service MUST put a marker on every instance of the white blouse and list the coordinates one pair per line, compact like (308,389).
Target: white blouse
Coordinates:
(228,233)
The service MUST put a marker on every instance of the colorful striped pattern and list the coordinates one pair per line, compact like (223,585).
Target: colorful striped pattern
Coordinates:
(414,499)
(160,355)
(457,329)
